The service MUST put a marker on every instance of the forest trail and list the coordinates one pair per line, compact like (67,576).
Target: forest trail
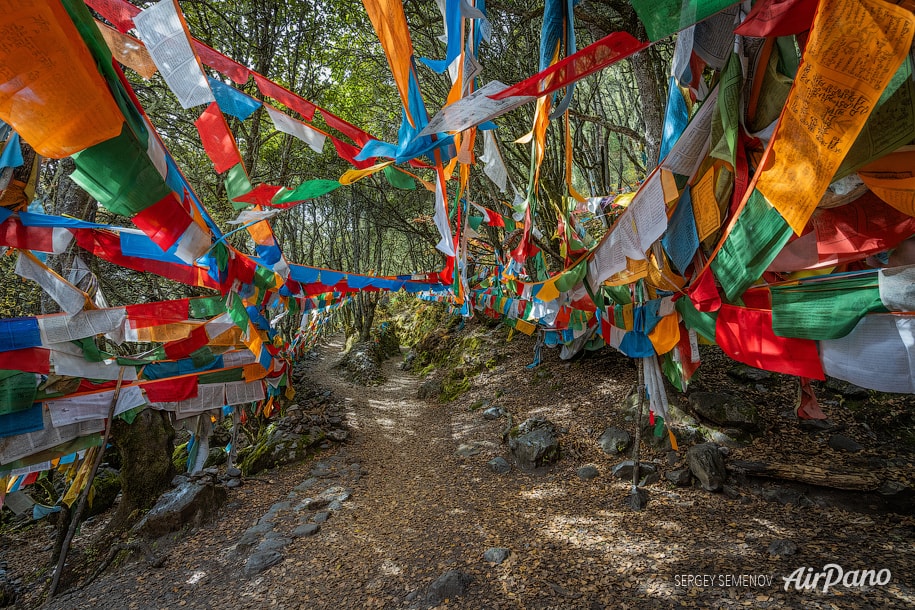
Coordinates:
(415,509)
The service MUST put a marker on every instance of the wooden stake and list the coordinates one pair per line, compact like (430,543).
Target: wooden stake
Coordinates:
(84,494)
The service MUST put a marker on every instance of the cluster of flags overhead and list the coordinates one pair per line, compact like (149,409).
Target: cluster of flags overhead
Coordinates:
(782,176)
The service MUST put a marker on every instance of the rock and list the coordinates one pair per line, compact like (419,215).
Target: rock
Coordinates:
(233,472)
(253,534)
(467,450)
(321,470)
(534,444)
(277,448)
(306,484)
(308,529)
(191,502)
(680,478)
(338,436)
(272,544)
(672,458)
(707,465)
(638,498)
(846,389)
(588,472)
(259,562)
(725,410)
(431,388)
(233,483)
(783,495)
(493,413)
(623,470)
(649,479)
(814,426)
(499,466)
(216,457)
(496,555)
(840,442)
(449,585)
(782,548)
(749,374)
(730,491)
(321,517)
(614,441)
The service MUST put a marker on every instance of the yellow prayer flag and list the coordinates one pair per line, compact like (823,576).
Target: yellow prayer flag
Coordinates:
(705,206)
(666,334)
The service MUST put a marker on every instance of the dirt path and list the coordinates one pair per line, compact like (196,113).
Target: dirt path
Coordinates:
(417,510)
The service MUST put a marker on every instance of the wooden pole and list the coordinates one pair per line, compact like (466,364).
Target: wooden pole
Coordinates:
(84,494)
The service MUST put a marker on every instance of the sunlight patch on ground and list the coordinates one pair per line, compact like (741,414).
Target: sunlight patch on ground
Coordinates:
(196,577)
(543,493)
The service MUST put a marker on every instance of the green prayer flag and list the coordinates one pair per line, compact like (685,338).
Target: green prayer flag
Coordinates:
(755,240)
(206,307)
(17,391)
(237,184)
(120,175)
(237,312)
(398,179)
(665,17)
(824,309)
(307,190)
(703,322)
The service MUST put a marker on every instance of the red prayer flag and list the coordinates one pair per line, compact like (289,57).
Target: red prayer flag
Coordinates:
(262,194)
(164,221)
(119,12)
(357,135)
(217,139)
(746,335)
(143,315)
(285,97)
(172,389)
(778,18)
(185,347)
(28,360)
(216,60)
(606,51)
(704,293)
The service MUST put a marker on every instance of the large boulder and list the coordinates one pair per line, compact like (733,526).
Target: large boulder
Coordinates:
(192,502)
(725,410)
(279,446)
(534,443)
(614,441)
(707,465)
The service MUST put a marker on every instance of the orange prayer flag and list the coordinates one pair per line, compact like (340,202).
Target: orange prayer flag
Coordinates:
(390,24)
(53,96)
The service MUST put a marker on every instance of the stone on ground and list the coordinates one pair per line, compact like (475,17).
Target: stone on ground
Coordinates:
(449,585)
(707,465)
(534,444)
(614,441)
(496,555)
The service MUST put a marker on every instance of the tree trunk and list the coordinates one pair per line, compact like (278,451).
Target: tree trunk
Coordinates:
(146,448)
(647,67)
